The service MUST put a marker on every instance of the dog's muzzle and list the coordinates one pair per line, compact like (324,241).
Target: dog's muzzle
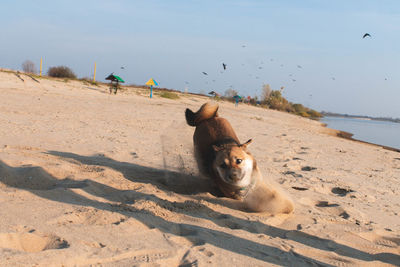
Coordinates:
(235,176)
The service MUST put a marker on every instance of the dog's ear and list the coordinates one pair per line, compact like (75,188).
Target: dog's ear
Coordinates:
(248,142)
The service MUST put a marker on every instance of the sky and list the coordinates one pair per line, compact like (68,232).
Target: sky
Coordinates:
(313,48)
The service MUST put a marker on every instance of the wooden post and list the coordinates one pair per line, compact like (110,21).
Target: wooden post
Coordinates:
(41,61)
(94,75)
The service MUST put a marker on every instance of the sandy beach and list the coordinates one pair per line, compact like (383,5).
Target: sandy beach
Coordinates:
(93,179)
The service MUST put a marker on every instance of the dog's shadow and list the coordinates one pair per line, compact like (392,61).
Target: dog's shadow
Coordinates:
(167,180)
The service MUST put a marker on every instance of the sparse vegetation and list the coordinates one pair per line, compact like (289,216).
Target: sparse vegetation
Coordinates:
(273,99)
(61,72)
(170,95)
(230,93)
(29,67)
(276,101)
(89,81)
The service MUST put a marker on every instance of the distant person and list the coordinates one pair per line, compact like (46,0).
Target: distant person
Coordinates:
(236,97)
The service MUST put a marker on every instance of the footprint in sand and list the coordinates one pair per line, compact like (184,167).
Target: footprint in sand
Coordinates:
(189,233)
(333,208)
(303,150)
(299,188)
(324,204)
(341,191)
(206,252)
(189,264)
(231,224)
(184,230)
(31,242)
(89,216)
(308,168)
(292,173)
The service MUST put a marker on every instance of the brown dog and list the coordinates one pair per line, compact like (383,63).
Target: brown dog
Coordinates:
(224,159)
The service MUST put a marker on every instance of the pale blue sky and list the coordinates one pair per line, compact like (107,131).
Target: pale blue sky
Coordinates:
(174,41)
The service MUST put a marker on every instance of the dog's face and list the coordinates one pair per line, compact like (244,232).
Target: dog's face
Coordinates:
(234,164)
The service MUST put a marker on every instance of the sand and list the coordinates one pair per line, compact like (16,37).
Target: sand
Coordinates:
(93,179)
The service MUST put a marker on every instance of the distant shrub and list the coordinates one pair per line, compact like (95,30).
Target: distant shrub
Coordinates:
(61,72)
(303,111)
(299,108)
(266,92)
(230,93)
(314,114)
(274,100)
(217,98)
(29,67)
(169,95)
(88,80)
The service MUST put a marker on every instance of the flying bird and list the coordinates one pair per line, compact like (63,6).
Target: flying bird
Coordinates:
(205,73)
(300,67)
(224,66)
(122,68)
(333,78)
(365,35)
(243,46)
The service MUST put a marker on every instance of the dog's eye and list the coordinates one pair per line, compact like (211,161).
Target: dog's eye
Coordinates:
(238,161)
(223,165)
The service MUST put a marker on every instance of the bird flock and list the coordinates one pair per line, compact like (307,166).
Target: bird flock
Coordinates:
(259,67)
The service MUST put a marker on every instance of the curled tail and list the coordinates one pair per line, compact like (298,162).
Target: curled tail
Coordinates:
(206,111)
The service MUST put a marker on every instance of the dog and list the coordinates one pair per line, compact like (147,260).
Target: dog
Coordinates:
(221,157)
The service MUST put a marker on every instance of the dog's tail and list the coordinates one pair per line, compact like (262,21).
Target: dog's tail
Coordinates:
(207,111)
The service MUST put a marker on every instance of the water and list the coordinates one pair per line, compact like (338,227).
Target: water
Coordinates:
(377,132)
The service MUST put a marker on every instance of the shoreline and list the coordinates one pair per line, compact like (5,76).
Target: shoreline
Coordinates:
(349,136)
(360,117)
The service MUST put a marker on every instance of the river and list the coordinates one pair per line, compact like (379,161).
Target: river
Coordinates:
(384,133)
